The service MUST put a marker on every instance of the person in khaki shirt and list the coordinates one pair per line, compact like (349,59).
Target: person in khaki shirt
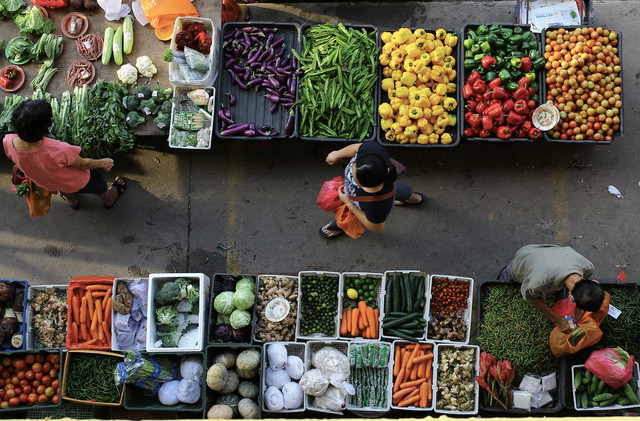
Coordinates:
(543,269)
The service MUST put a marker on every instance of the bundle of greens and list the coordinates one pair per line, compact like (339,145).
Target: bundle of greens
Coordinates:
(10,104)
(32,21)
(177,304)
(10,8)
(146,372)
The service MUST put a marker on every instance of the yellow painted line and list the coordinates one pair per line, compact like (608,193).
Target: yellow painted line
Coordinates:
(560,198)
(234,220)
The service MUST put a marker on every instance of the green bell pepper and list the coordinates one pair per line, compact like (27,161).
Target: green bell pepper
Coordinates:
(469,63)
(527,36)
(478,57)
(499,63)
(475,48)
(533,44)
(468,54)
(468,43)
(491,75)
(501,53)
(483,30)
(516,75)
(512,47)
(486,47)
(515,39)
(539,63)
(494,29)
(481,39)
(516,63)
(534,97)
(518,54)
(492,38)
(505,75)
(500,44)
(511,86)
(517,30)
(472,34)
(506,32)
(534,54)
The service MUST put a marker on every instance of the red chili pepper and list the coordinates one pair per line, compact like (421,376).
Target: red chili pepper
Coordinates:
(524,81)
(488,61)
(487,122)
(473,77)
(470,132)
(521,93)
(499,93)
(521,107)
(475,121)
(5,82)
(526,64)
(508,105)
(495,83)
(467,91)
(534,133)
(494,111)
(479,86)
(504,132)
(514,118)
(471,105)
(526,125)
(484,133)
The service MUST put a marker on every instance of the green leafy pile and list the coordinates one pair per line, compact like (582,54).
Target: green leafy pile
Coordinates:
(10,8)
(32,21)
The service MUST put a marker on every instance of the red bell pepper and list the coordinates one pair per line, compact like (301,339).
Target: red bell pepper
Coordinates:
(467,116)
(494,111)
(504,132)
(531,90)
(534,133)
(487,123)
(521,93)
(471,105)
(481,107)
(494,101)
(531,104)
(526,125)
(499,93)
(500,120)
(488,61)
(479,86)
(526,64)
(487,95)
(470,132)
(524,81)
(508,105)
(475,121)
(514,118)
(484,133)
(467,91)
(473,77)
(495,83)
(5,82)
(517,133)
(521,107)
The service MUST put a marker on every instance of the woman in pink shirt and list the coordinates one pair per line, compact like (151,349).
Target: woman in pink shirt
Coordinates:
(56,165)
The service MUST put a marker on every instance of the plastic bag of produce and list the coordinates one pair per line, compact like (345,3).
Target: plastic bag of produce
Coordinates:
(146,372)
(328,198)
(196,60)
(585,334)
(566,307)
(189,74)
(612,366)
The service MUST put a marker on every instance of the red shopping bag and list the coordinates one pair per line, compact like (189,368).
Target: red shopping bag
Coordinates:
(328,198)
(612,366)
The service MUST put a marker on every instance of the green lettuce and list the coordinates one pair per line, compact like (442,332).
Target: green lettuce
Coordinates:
(32,21)
(9,8)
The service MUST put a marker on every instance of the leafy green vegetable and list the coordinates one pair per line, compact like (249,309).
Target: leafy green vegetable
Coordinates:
(10,8)
(223,303)
(240,319)
(168,55)
(32,21)
(19,49)
(134,119)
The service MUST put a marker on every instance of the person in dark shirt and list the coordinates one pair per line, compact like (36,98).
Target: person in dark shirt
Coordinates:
(369,172)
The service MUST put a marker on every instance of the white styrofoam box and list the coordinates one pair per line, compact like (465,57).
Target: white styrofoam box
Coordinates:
(342,298)
(467,312)
(387,275)
(177,93)
(212,31)
(318,336)
(476,370)
(634,378)
(257,316)
(372,411)
(299,349)
(413,408)
(114,339)
(156,281)
(31,340)
(312,348)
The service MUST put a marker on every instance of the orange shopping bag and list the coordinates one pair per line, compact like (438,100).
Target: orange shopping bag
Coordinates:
(162,14)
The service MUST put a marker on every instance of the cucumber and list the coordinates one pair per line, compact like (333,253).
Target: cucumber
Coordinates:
(387,296)
(577,379)
(400,320)
(587,377)
(127,35)
(402,335)
(602,397)
(408,290)
(107,46)
(419,296)
(625,402)
(396,292)
(630,394)
(117,46)
(600,387)
(584,403)
(608,402)
(593,384)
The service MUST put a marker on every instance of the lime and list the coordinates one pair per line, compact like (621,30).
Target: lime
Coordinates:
(352,293)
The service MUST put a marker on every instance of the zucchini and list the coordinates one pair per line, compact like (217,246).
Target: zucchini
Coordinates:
(419,296)
(117,46)
(402,335)
(127,35)
(107,45)
(630,394)
(399,321)
(602,397)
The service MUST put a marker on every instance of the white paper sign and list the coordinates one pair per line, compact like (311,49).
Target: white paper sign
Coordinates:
(614,312)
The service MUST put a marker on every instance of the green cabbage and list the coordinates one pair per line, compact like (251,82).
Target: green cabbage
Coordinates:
(32,21)
(243,299)
(246,283)
(223,302)
(240,319)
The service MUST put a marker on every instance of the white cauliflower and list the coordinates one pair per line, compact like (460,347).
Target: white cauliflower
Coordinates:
(128,74)
(145,66)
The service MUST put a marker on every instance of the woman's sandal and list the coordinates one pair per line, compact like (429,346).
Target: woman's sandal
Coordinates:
(398,203)
(329,236)
(119,183)
(74,207)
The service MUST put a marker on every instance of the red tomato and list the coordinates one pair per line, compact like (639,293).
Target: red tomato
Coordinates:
(36,383)
(9,393)
(42,398)
(56,366)
(14,401)
(24,382)
(27,389)
(55,399)
(47,366)
(6,361)
(46,380)
(30,359)
(39,375)
(55,384)
(11,369)
(30,375)
(24,398)
(36,367)
(33,397)
(4,404)
(1,382)
(15,380)
(40,390)
(53,373)
(19,364)
(40,358)
(18,390)
(20,374)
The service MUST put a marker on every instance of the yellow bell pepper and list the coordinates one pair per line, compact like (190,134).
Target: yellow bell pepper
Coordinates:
(449,104)
(404,121)
(429,46)
(395,64)
(401,92)
(452,75)
(386,71)
(435,99)
(438,75)
(421,99)
(426,76)
(423,139)
(420,66)
(386,84)
(449,62)
(421,86)
(427,129)
(390,136)
(445,139)
(384,59)
(433,138)
(385,37)
(441,34)
(422,123)
(441,89)
(420,33)
(396,103)
(447,50)
(386,123)
(413,50)
(408,78)
(397,84)
(438,43)
(408,64)
(420,42)
(443,120)
(451,87)
(453,120)
(426,112)
(451,39)
(396,74)
(411,130)
(415,113)
(437,56)
(400,37)
(389,48)
(439,129)
(396,128)
(430,36)
(437,110)
(385,110)
(404,110)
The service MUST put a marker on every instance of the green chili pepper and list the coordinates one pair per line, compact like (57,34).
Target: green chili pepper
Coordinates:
(511,86)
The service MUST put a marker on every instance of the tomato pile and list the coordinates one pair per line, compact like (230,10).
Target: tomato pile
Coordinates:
(29,380)
(448,295)
(584,83)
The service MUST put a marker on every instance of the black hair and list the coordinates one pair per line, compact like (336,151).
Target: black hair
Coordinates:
(372,170)
(587,295)
(31,120)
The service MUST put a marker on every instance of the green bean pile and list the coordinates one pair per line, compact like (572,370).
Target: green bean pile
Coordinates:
(91,378)
(513,329)
(625,330)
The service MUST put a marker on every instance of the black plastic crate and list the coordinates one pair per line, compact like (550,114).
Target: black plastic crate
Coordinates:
(218,278)
(368,28)
(467,72)
(546,135)
(454,131)
(483,288)
(252,106)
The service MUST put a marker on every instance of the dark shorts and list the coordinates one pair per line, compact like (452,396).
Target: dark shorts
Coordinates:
(96,184)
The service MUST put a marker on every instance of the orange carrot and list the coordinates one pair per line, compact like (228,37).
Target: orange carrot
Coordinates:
(343,324)
(101,287)
(349,321)
(362,307)
(425,357)
(412,383)
(83,332)
(427,371)
(96,294)
(354,322)
(361,318)
(75,307)
(107,333)
(396,385)
(414,369)
(424,347)
(429,392)
(83,310)
(368,311)
(421,368)
(100,332)
(424,395)
(414,354)
(89,303)
(397,361)
(409,401)
(376,330)
(367,332)
(104,300)
(107,309)
(98,310)
(402,392)
(74,331)
(91,342)
(94,331)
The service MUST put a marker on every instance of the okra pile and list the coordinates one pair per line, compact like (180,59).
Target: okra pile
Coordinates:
(590,391)
(404,306)
(369,374)
(319,305)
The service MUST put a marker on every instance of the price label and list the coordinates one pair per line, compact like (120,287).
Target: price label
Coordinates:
(614,312)
(116,48)
(127,36)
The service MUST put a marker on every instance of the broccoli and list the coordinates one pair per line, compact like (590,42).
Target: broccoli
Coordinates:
(166,107)
(184,285)
(192,139)
(148,106)
(193,294)
(166,315)
(159,94)
(131,103)
(168,55)
(169,339)
(162,120)
(142,92)
(170,293)
(134,119)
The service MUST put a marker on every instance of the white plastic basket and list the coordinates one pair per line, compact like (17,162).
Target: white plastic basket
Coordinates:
(467,312)
(31,340)
(370,411)
(436,366)
(312,348)
(156,281)
(298,349)
(293,312)
(384,311)
(635,378)
(178,93)
(318,336)
(210,76)
(412,408)
(342,299)
(115,346)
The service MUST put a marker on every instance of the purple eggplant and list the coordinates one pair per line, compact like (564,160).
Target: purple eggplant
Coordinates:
(255,65)
(277,42)
(252,126)
(265,128)
(238,35)
(247,74)
(236,130)
(249,132)
(224,125)
(289,95)
(287,104)
(269,40)
(274,133)
(242,85)
(247,14)
(227,113)
(272,70)
(273,107)
(273,98)
(230,63)
(268,30)
(223,117)
(232,98)
(254,81)
(282,79)
(290,125)
(274,82)
(228,37)
(285,61)
(237,68)
(272,91)
(294,85)
(249,29)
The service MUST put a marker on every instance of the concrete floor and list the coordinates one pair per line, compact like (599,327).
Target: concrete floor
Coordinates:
(182,209)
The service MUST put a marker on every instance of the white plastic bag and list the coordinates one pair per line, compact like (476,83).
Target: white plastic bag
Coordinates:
(114,9)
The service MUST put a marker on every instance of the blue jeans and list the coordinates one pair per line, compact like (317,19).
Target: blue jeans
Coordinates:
(507,273)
